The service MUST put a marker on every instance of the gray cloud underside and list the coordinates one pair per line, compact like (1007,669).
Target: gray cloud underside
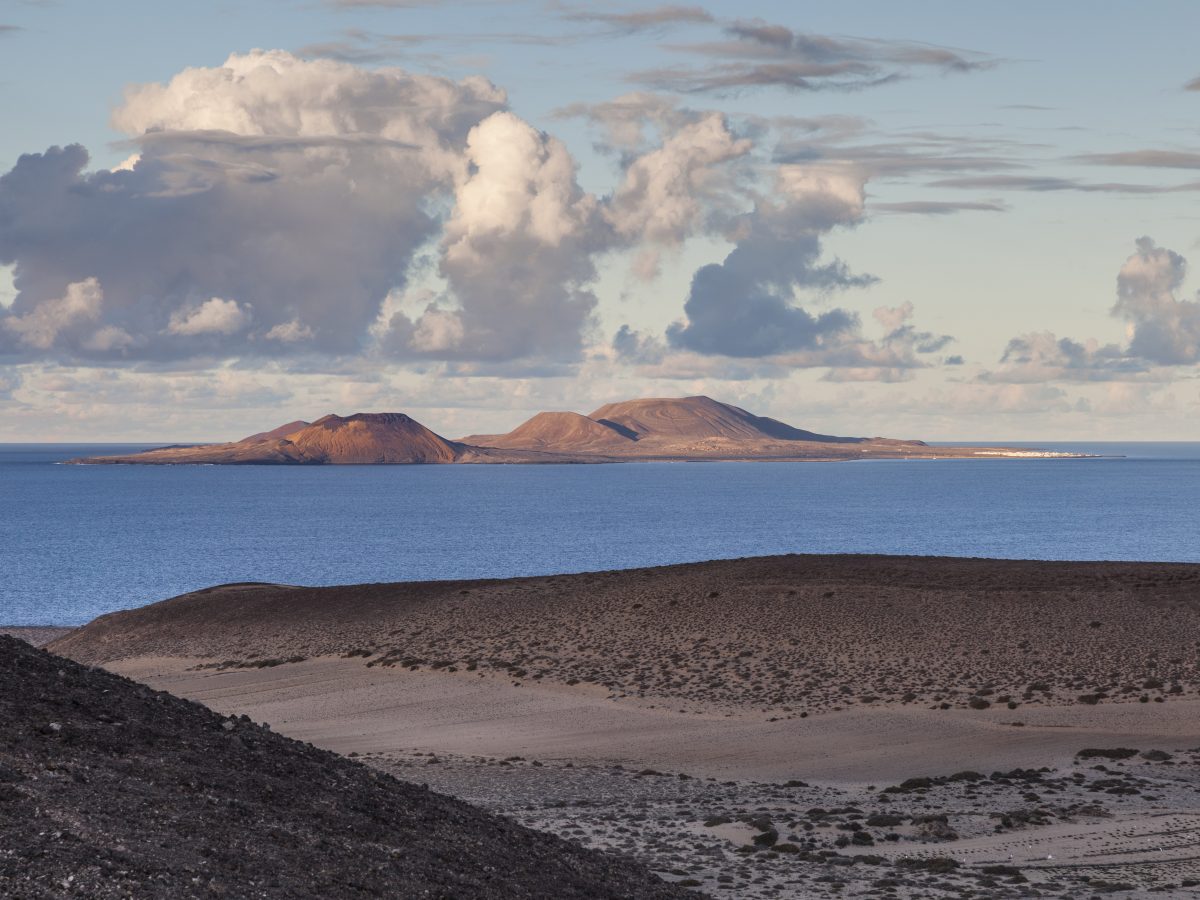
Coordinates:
(1154,159)
(758,54)
(895,154)
(1193,85)
(642,20)
(360,46)
(388,4)
(938,208)
(1043,184)
(1036,357)
(211,139)
(747,306)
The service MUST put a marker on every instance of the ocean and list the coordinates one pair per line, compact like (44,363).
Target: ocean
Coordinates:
(79,541)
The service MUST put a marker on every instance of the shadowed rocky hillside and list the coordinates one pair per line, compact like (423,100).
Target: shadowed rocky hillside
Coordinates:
(110,789)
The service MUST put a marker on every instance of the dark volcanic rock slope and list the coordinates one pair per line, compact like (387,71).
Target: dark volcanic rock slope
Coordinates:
(111,789)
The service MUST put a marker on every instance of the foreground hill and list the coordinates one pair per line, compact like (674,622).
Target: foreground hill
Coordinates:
(687,428)
(772,729)
(110,789)
(789,634)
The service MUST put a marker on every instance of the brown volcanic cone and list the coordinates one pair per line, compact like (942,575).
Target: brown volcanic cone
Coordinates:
(372,438)
(360,439)
(699,418)
(564,432)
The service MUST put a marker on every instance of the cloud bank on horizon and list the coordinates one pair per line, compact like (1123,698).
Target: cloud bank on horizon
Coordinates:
(303,215)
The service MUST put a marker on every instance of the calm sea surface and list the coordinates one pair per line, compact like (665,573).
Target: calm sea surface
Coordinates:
(78,541)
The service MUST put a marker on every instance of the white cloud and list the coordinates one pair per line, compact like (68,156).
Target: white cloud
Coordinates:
(1163,331)
(291,332)
(108,339)
(215,316)
(1163,328)
(41,326)
(516,254)
(667,192)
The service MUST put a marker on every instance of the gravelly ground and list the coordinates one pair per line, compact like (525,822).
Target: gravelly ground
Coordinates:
(109,789)
(1023,833)
(784,634)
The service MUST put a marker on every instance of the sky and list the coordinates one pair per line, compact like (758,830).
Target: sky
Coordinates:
(922,220)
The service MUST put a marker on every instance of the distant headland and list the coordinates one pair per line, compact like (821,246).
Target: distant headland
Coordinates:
(665,429)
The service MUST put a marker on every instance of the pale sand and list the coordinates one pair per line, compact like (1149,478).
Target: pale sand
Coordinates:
(344,706)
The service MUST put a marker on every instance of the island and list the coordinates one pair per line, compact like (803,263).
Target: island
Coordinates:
(664,429)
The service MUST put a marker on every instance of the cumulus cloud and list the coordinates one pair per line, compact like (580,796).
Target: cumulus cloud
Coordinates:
(745,313)
(901,334)
(635,347)
(666,193)
(744,306)
(1043,356)
(290,332)
(213,316)
(293,182)
(628,121)
(58,317)
(1162,330)
(516,254)
(109,340)
(758,54)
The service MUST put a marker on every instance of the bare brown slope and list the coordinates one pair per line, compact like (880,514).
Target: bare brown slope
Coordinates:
(792,633)
(373,438)
(562,432)
(701,418)
(276,433)
(360,439)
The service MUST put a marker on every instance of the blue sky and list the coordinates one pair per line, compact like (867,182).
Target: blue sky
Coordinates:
(986,166)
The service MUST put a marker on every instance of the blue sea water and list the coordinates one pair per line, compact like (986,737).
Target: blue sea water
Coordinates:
(78,541)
